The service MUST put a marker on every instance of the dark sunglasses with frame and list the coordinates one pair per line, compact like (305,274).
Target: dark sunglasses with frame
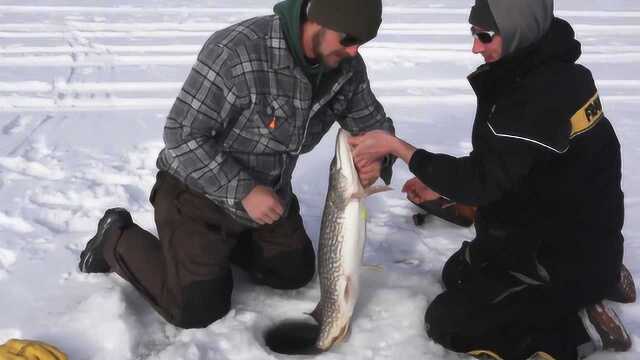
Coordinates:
(485,36)
(347,40)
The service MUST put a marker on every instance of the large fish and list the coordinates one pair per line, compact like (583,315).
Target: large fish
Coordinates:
(340,249)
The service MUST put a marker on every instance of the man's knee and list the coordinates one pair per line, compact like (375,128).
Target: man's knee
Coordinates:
(445,321)
(292,269)
(434,324)
(202,303)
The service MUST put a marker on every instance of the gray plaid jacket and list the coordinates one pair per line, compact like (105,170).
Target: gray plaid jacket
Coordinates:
(246,112)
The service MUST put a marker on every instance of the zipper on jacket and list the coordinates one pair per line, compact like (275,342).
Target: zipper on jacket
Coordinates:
(315,107)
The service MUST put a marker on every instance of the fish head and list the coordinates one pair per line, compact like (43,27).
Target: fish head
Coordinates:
(342,331)
(343,164)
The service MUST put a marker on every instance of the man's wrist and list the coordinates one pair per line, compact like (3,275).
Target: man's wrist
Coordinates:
(394,145)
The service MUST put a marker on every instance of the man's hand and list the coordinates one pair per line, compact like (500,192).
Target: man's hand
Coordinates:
(369,173)
(375,144)
(418,192)
(370,147)
(263,205)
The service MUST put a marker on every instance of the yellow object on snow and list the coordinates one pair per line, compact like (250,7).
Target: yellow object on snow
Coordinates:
(29,350)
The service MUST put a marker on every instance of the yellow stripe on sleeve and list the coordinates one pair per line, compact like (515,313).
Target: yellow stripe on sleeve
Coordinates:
(587,117)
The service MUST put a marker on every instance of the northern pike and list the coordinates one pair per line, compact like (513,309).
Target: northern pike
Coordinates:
(340,247)
(340,251)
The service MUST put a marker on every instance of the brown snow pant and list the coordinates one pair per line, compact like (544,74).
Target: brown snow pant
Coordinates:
(186,274)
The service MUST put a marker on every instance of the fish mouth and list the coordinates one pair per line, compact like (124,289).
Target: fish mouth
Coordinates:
(344,160)
(344,332)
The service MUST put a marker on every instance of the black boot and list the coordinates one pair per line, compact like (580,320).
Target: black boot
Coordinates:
(625,290)
(92,258)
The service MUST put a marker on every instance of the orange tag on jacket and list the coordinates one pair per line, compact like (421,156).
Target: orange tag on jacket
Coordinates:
(273,123)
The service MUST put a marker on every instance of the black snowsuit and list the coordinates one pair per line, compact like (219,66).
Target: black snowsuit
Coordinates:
(545,175)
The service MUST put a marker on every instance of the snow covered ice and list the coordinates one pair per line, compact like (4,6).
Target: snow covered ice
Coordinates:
(84,91)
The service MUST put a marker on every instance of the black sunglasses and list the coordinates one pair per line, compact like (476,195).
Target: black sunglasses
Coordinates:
(347,40)
(485,37)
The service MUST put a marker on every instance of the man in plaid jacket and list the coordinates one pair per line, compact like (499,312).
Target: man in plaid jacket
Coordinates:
(261,93)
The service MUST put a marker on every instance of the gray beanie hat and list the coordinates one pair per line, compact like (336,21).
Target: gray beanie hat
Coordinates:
(481,16)
(358,18)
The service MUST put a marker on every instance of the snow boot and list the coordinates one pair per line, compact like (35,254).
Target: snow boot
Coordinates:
(541,355)
(605,329)
(92,258)
(484,355)
(625,290)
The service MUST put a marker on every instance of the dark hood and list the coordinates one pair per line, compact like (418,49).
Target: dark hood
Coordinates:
(558,44)
(291,18)
(521,22)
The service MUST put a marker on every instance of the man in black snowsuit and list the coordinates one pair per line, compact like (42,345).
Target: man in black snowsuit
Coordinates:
(548,248)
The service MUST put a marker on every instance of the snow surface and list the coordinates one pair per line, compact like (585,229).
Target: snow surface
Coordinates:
(84,90)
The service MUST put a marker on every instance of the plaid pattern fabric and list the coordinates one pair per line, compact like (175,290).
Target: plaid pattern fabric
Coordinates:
(246,112)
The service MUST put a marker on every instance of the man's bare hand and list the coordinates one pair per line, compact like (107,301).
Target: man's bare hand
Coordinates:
(370,147)
(369,173)
(418,192)
(263,205)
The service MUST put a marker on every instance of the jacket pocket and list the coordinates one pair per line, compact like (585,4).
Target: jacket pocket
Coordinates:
(271,127)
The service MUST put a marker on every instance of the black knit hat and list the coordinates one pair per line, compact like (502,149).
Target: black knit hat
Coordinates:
(358,18)
(482,16)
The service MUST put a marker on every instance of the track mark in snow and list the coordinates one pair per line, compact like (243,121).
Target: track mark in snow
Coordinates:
(160,86)
(34,169)
(18,124)
(37,161)
(37,249)
(173,30)
(396,10)
(104,313)
(15,224)
(110,49)
(8,333)
(375,57)
(21,104)
(7,259)
(31,134)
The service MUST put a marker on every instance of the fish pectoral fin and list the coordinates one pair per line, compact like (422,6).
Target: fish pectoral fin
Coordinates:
(359,195)
(374,189)
(316,314)
(373,267)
